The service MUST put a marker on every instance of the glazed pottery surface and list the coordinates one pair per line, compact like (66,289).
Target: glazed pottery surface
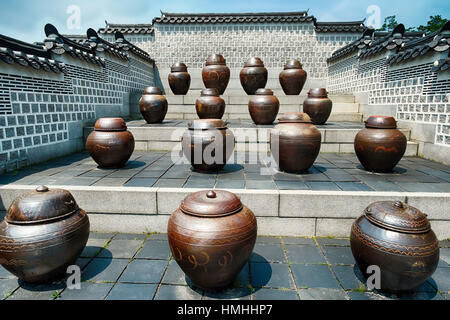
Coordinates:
(208,144)
(295,142)
(253,76)
(318,106)
(43,232)
(398,239)
(179,79)
(293,77)
(110,144)
(216,74)
(263,107)
(380,145)
(153,105)
(210,105)
(211,237)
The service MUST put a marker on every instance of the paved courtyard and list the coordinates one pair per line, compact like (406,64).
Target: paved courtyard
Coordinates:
(157,169)
(139,266)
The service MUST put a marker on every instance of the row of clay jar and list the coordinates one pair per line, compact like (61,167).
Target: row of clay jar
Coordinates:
(263,106)
(253,76)
(294,142)
(211,237)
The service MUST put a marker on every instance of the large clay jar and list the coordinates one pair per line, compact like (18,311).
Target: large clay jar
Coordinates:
(295,142)
(179,78)
(293,77)
(210,105)
(216,74)
(110,144)
(263,107)
(380,146)
(318,106)
(43,232)
(398,239)
(208,144)
(253,76)
(153,105)
(211,237)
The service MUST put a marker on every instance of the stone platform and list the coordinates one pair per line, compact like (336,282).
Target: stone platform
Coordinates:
(337,137)
(116,267)
(322,202)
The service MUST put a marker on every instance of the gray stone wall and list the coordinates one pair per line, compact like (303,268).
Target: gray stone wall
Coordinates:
(42,114)
(410,91)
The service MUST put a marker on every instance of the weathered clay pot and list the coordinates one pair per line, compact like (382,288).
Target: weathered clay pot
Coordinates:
(263,107)
(295,142)
(179,78)
(153,105)
(380,146)
(110,144)
(398,239)
(211,237)
(208,144)
(318,106)
(43,232)
(293,77)
(210,105)
(216,74)
(253,76)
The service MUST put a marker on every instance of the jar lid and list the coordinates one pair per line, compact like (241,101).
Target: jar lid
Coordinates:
(178,67)
(293,64)
(41,205)
(210,92)
(254,62)
(397,216)
(318,92)
(110,124)
(264,92)
(215,59)
(381,122)
(217,203)
(295,117)
(207,124)
(152,90)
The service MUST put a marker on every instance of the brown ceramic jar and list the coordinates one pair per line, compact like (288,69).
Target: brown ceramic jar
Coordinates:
(398,239)
(293,77)
(216,74)
(295,142)
(211,237)
(380,145)
(44,231)
(179,79)
(110,144)
(210,105)
(208,144)
(263,107)
(318,106)
(253,76)
(153,105)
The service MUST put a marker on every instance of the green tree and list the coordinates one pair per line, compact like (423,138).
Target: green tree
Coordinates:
(390,22)
(435,23)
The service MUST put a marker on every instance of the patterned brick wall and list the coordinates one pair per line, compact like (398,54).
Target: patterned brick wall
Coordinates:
(417,92)
(36,111)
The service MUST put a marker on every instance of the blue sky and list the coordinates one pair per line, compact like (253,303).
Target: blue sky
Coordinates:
(25,19)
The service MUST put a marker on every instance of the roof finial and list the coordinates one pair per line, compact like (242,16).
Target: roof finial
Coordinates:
(106,23)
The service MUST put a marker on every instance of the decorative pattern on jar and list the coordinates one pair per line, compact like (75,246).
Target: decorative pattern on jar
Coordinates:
(216,74)
(263,107)
(293,77)
(253,76)
(179,78)
(110,144)
(210,105)
(153,105)
(43,232)
(211,237)
(398,239)
(318,106)
(380,145)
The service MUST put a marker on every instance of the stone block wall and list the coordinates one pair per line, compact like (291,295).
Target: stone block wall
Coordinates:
(42,113)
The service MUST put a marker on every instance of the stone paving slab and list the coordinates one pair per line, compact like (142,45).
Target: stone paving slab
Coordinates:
(267,276)
(338,172)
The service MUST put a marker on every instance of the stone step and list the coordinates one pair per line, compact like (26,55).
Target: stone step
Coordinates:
(323,213)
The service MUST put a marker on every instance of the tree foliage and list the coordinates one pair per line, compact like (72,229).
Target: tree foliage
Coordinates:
(435,23)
